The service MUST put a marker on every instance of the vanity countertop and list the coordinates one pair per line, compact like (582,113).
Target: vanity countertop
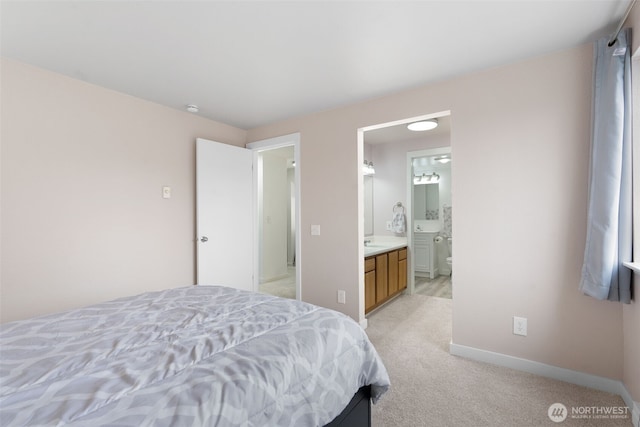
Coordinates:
(383,244)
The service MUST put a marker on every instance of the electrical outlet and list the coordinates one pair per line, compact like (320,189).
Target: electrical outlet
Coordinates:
(342,297)
(520,326)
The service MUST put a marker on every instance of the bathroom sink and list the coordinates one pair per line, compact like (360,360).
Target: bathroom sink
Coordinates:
(375,249)
(378,245)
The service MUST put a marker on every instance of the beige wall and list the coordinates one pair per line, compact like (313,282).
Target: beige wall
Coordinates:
(633,21)
(631,312)
(520,143)
(83,219)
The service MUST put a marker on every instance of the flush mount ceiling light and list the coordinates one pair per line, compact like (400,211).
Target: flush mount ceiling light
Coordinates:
(444,159)
(423,125)
(192,108)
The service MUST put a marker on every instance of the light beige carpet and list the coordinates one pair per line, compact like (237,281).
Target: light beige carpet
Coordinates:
(284,287)
(430,387)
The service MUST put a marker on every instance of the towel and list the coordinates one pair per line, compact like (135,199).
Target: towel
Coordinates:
(398,223)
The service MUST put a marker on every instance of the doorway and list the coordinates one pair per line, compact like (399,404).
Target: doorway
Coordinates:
(387,146)
(430,240)
(277,196)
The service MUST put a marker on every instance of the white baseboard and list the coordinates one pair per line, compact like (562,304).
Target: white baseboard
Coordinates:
(635,406)
(635,414)
(549,371)
(364,323)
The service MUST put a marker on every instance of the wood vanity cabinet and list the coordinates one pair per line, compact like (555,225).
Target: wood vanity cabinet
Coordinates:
(385,276)
(402,269)
(369,283)
(382,281)
(392,258)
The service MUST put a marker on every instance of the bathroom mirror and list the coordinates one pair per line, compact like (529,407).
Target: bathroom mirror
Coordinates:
(368,205)
(426,201)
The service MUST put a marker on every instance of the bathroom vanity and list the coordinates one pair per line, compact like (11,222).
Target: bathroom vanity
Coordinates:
(385,275)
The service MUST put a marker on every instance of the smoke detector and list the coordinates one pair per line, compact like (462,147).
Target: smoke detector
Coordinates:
(192,108)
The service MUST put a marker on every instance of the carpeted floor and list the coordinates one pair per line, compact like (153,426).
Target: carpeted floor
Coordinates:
(284,287)
(430,387)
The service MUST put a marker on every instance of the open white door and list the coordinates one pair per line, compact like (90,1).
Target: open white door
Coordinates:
(224,215)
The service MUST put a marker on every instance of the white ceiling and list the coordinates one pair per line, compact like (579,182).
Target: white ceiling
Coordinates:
(249,63)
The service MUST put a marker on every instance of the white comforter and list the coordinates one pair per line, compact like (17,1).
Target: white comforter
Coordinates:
(192,356)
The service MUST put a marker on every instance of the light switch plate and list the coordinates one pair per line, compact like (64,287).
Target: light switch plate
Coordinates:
(315,230)
(342,297)
(166,192)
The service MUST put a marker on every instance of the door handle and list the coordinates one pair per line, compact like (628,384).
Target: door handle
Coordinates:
(204,239)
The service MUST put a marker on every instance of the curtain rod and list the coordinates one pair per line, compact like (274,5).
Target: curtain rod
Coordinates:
(626,14)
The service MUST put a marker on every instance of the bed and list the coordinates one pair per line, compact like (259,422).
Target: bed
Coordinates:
(190,356)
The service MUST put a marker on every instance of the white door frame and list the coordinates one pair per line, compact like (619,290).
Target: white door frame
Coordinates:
(271,144)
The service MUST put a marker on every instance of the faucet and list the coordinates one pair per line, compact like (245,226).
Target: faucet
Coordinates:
(367,242)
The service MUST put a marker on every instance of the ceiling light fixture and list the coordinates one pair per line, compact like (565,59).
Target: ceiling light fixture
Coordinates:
(192,108)
(423,125)
(444,159)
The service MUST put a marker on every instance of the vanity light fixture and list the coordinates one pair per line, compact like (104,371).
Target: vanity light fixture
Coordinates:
(367,168)
(423,125)
(432,178)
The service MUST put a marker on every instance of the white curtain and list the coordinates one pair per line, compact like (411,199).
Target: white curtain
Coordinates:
(609,221)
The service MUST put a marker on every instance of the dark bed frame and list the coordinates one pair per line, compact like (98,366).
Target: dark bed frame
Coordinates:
(358,411)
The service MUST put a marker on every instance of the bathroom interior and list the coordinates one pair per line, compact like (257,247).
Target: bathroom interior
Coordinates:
(408,174)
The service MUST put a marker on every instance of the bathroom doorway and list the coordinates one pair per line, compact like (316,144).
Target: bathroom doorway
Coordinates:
(386,147)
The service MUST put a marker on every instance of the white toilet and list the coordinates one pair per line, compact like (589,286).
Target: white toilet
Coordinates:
(449,258)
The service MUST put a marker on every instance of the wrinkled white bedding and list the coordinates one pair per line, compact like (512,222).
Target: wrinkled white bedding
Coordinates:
(192,356)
